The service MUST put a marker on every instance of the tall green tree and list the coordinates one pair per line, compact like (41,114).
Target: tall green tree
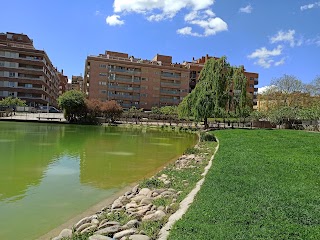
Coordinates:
(210,94)
(73,104)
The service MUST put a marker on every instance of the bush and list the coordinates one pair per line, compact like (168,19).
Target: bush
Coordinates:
(207,137)
(151,183)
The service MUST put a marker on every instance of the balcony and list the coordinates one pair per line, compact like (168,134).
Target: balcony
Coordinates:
(170,92)
(170,75)
(168,84)
(124,88)
(256,81)
(124,71)
(120,79)
(118,96)
(255,89)
(169,100)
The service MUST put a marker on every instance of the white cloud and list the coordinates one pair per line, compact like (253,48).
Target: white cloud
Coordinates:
(167,8)
(264,57)
(200,15)
(247,9)
(310,6)
(281,62)
(284,37)
(114,20)
(187,31)
(313,41)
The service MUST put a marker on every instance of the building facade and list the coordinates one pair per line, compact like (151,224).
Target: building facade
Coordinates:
(77,83)
(144,83)
(25,72)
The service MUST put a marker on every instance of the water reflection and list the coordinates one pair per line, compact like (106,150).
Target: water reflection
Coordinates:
(48,173)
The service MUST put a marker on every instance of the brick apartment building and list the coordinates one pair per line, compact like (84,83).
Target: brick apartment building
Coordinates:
(77,83)
(145,83)
(25,72)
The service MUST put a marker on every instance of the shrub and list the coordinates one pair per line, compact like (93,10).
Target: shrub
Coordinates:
(207,137)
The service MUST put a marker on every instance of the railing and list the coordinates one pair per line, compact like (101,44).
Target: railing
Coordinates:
(170,84)
(118,96)
(120,79)
(170,75)
(124,71)
(170,92)
(124,87)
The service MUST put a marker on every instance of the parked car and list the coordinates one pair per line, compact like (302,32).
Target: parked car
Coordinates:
(44,109)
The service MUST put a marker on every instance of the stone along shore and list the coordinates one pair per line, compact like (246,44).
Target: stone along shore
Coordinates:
(140,213)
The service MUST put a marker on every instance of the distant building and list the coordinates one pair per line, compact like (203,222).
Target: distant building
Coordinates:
(77,83)
(25,72)
(63,84)
(144,83)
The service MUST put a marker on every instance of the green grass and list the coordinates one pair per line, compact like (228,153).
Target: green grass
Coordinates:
(264,184)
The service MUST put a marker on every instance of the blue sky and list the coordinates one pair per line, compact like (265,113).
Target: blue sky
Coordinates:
(271,37)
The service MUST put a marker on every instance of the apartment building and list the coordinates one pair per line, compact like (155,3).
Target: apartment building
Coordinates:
(63,83)
(144,83)
(135,82)
(77,83)
(25,72)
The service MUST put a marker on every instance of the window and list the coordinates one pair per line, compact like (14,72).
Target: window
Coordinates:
(12,74)
(103,74)
(11,84)
(28,85)
(1,64)
(251,85)
(12,64)
(2,53)
(103,83)
(11,94)
(103,91)
(103,66)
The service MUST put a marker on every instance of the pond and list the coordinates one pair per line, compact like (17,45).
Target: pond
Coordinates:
(50,173)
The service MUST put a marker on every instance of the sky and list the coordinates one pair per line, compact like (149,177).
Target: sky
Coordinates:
(271,37)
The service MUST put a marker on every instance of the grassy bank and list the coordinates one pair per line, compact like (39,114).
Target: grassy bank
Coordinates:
(264,184)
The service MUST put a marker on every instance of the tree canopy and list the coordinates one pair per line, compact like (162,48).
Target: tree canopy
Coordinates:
(221,89)
(10,101)
(73,104)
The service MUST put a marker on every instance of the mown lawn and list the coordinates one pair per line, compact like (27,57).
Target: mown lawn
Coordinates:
(264,184)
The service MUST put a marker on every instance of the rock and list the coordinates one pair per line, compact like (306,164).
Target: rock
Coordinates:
(133,223)
(82,221)
(124,233)
(99,237)
(158,215)
(131,205)
(154,194)
(167,182)
(88,229)
(108,230)
(160,208)
(146,201)
(164,176)
(83,226)
(144,191)
(138,198)
(95,221)
(65,233)
(139,237)
(109,223)
(135,189)
(116,204)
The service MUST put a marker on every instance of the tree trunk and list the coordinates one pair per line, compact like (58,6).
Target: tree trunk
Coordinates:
(206,126)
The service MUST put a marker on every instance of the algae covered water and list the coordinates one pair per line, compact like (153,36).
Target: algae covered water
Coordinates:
(51,172)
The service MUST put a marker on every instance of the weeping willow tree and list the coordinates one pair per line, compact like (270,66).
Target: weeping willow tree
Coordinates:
(240,101)
(210,95)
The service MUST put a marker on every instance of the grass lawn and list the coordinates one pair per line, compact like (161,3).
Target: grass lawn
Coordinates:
(263,184)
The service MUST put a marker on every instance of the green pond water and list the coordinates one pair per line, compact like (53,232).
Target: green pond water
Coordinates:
(50,173)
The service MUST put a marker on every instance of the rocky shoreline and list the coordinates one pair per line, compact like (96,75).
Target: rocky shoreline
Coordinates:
(141,212)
